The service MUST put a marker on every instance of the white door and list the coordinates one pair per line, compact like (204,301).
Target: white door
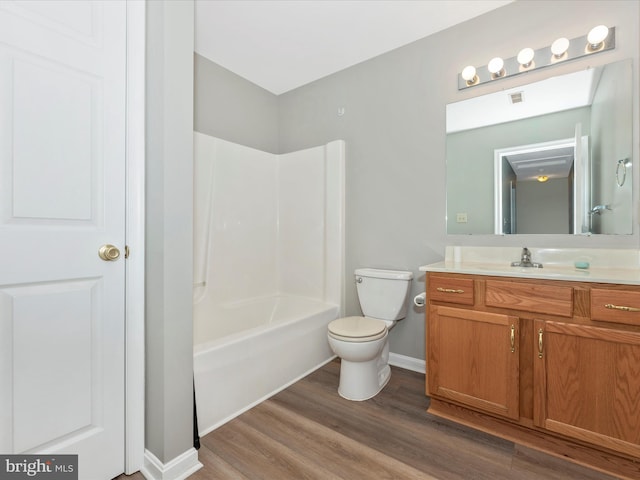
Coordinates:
(62,174)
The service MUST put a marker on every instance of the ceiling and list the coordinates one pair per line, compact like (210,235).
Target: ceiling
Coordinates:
(283,44)
(554,94)
(550,162)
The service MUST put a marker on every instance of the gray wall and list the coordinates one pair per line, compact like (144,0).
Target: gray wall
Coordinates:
(228,106)
(544,207)
(169,226)
(394,128)
(611,109)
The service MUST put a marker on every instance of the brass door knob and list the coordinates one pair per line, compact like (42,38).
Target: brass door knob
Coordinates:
(109,253)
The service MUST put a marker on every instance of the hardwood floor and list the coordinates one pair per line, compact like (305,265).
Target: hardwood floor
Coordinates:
(309,432)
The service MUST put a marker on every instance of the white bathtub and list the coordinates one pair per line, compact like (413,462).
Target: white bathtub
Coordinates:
(247,351)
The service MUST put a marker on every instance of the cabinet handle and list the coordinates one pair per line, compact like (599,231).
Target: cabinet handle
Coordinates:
(449,290)
(611,306)
(540,344)
(513,338)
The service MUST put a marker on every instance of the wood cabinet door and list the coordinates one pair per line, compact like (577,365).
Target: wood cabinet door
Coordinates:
(473,359)
(587,384)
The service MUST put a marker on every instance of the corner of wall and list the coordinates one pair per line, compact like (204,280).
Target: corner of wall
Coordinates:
(179,468)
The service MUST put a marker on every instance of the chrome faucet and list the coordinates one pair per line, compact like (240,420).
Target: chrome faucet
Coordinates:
(525,260)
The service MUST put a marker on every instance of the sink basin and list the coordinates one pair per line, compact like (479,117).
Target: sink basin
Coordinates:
(500,269)
(552,271)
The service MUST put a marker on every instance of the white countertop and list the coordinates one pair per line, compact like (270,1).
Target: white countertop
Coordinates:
(606,265)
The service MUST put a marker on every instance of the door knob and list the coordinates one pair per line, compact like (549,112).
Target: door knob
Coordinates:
(109,253)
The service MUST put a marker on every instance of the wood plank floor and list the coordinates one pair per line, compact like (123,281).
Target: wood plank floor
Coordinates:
(309,432)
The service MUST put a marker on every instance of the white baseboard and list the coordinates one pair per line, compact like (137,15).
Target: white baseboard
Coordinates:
(408,363)
(177,469)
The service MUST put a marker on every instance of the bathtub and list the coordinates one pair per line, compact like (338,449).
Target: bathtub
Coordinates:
(254,349)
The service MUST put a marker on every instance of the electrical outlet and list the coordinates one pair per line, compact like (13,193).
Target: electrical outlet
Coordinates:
(461,217)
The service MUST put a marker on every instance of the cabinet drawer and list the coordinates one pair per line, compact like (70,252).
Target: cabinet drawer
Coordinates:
(530,297)
(617,306)
(452,290)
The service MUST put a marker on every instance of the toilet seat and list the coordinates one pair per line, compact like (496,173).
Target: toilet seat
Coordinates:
(357,329)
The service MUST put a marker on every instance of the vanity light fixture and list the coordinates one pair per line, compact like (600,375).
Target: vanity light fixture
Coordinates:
(496,67)
(469,75)
(525,57)
(599,39)
(596,37)
(559,48)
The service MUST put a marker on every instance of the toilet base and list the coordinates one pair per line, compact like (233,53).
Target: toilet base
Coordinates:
(361,381)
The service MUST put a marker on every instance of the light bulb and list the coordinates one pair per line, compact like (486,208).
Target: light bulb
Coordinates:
(496,66)
(596,36)
(559,47)
(525,57)
(469,74)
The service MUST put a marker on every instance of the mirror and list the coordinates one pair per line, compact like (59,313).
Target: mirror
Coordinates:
(550,157)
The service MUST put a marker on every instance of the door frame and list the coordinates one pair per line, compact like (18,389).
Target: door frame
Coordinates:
(499,153)
(135,238)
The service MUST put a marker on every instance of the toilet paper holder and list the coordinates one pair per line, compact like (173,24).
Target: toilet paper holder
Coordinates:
(420,299)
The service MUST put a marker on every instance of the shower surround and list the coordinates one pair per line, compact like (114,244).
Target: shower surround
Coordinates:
(268,270)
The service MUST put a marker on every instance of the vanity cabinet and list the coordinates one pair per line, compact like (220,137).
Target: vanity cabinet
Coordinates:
(473,359)
(551,364)
(587,384)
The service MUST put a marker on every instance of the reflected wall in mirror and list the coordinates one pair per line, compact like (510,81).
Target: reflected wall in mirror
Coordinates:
(550,157)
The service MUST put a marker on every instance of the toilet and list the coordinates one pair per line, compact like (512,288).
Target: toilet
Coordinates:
(362,342)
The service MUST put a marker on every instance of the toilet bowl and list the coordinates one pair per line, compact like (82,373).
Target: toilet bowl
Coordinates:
(361,342)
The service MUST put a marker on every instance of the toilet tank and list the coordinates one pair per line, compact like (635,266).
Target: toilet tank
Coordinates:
(383,294)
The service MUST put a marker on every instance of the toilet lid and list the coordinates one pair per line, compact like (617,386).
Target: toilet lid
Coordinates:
(357,327)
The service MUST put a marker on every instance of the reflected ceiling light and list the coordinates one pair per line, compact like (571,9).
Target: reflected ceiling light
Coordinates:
(560,47)
(597,36)
(496,67)
(542,178)
(525,57)
(469,74)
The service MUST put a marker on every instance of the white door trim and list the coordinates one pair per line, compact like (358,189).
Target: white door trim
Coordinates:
(135,238)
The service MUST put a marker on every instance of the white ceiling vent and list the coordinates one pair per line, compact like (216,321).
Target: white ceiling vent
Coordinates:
(516,97)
